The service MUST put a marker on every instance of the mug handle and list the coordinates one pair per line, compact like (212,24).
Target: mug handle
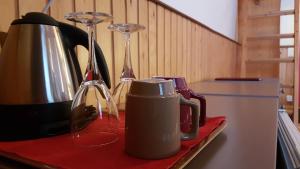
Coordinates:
(202,101)
(195,119)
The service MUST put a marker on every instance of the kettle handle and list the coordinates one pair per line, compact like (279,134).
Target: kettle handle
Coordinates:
(74,36)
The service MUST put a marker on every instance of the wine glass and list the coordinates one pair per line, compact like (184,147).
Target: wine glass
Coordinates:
(127,75)
(94,115)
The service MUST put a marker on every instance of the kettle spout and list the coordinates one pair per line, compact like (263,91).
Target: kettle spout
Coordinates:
(3,36)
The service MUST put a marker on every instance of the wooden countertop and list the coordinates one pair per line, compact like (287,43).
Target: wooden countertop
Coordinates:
(266,87)
(249,141)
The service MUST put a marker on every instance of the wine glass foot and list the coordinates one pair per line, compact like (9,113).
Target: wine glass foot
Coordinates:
(92,139)
(88,18)
(126,27)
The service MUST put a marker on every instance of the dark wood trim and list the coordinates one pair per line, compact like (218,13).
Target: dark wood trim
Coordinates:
(158,2)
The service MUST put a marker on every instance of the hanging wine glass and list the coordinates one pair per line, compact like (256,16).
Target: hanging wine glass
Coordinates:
(94,115)
(127,74)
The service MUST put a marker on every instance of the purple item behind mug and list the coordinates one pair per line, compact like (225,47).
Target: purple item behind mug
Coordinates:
(185,114)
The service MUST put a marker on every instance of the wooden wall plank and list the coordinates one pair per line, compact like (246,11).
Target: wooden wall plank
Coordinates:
(194,52)
(216,53)
(204,54)
(167,42)
(119,13)
(132,17)
(104,37)
(160,41)
(173,44)
(210,54)
(31,6)
(83,5)
(152,14)
(143,40)
(179,66)
(189,52)
(236,71)
(184,47)
(60,8)
(223,73)
(9,12)
(198,54)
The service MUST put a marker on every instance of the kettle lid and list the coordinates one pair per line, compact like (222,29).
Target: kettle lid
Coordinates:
(36,18)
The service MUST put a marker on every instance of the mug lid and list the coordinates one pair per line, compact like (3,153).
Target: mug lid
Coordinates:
(152,88)
(178,81)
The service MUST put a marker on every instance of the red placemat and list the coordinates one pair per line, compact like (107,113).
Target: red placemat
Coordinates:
(60,152)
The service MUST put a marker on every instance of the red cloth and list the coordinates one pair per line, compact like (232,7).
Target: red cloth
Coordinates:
(61,152)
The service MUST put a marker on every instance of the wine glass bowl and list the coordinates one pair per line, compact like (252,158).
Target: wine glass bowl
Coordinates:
(94,121)
(120,92)
(94,118)
(127,74)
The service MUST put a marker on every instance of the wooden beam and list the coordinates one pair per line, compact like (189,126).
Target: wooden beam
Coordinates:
(271,36)
(296,66)
(243,8)
(273,13)
(272,60)
(287,46)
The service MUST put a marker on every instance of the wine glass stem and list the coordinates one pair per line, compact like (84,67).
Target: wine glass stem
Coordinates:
(92,70)
(127,72)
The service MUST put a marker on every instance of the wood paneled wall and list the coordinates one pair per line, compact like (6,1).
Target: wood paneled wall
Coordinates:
(257,48)
(171,44)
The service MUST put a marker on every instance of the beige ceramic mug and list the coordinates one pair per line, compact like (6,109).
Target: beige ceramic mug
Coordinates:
(152,122)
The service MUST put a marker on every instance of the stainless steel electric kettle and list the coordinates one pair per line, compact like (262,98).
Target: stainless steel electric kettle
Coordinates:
(39,75)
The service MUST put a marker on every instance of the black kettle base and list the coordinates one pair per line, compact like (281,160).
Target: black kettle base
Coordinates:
(20,122)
